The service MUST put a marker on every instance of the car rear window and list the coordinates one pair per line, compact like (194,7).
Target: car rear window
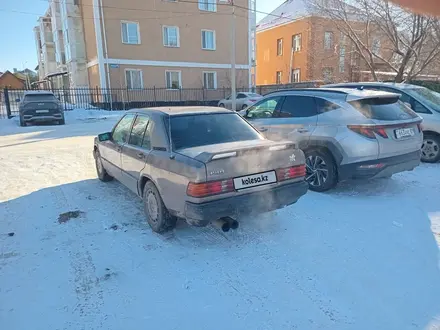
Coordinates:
(39,98)
(388,108)
(205,129)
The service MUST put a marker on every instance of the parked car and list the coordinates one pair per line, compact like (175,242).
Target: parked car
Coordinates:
(423,101)
(40,106)
(220,170)
(243,100)
(344,133)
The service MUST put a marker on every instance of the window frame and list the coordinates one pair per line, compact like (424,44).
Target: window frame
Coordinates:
(141,76)
(122,32)
(177,33)
(278,111)
(143,135)
(332,38)
(298,71)
(281,78)
(280,47)
(215,80)
(275,110)
(213,37)
(129,131)
(207,2)
(180,80)
(299,35)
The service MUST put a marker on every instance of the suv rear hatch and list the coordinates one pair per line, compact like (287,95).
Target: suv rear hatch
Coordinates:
(395,126)
(40,104)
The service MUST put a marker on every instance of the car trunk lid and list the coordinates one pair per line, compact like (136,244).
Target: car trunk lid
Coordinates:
(237,159)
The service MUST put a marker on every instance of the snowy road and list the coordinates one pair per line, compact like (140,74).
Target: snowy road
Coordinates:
(361,257)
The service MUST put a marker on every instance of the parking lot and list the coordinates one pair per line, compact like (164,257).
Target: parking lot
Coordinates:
(78,251)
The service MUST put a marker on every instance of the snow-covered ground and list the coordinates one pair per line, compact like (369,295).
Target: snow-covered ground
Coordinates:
(361,257)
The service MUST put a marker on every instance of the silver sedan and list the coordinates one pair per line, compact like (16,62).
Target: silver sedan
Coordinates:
(243,100)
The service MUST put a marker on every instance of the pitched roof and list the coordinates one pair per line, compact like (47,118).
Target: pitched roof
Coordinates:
(288,11)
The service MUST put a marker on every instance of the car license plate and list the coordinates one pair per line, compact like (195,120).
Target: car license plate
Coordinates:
(255,180)
(404,132)
(41,111)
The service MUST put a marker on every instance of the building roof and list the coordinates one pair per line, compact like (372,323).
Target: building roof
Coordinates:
(172,111)
(288,11)
(9,72)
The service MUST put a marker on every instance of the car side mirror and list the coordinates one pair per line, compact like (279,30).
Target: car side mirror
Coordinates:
(17,100)
(105,137)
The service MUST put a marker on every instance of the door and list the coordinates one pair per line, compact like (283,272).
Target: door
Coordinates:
(261,114)
(295,120)
(136,151)
(111,150)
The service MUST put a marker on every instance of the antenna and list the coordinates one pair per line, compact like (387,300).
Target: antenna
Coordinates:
(169,136)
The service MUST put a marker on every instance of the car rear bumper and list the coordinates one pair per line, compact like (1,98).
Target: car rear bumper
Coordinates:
(252,203)
(51,117)
(380,167)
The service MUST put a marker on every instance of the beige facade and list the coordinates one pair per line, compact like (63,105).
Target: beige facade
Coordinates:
(166,44)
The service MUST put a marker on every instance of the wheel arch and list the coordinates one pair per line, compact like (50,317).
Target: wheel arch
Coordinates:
(428,132)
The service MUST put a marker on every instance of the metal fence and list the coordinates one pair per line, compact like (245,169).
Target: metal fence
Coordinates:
(124,99)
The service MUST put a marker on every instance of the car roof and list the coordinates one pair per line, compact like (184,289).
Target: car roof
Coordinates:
(175,111)
(346,94)
(38,93)
(375,83)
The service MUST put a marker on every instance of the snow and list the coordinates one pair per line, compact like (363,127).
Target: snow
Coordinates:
(364,256)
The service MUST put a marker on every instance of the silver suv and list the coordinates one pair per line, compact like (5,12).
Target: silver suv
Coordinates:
(423,101)
(344,133)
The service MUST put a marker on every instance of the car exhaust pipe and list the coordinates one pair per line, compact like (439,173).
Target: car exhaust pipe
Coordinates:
(233,224)
(222,224)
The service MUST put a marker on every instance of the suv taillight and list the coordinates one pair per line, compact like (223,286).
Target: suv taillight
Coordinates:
(291,172)
(209,188)
(368,131)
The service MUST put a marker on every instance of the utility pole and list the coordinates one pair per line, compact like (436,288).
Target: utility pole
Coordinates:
(233,88)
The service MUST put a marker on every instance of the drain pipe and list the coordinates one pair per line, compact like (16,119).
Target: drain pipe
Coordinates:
(104,33)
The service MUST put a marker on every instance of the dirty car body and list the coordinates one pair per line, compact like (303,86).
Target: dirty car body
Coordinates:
(40,106)
(206,163)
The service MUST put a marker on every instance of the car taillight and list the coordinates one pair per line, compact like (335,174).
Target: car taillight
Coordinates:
(209,188)
(368,131)
(419,126)
(291,172)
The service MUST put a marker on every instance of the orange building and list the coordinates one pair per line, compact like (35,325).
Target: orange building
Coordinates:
(295,44)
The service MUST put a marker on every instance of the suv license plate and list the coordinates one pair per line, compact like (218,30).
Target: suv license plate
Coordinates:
(255,180)
(404,132)
(42,111)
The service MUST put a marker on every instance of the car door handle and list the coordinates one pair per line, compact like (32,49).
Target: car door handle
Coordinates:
(140,155)
(302,130)
(118,149)
(262,129)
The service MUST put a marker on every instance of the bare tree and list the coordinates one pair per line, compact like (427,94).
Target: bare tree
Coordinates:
(385,35)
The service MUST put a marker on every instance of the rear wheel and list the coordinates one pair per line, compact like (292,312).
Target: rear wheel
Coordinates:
(158,217)
(62,121)
(22,122)
(321,170)
(431,148)
(244,107)
(100,170)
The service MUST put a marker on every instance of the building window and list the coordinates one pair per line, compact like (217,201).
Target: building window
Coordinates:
(296,75)
(328,40)
(171,36)
(296,42)
(279,77)
(375,49)
(327,74)
(133,79)
(279,47)
(342,58)
(208,39)
(130,33)
(173,79)
(210,80)
(208,5)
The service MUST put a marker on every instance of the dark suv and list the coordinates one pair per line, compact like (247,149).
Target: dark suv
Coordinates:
(40,106)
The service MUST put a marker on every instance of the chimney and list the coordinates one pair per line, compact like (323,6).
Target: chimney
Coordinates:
(15,70)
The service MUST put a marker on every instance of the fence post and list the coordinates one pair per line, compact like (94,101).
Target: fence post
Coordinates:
(203,94)
(224,92)
(64,98)
(128,98)
(8,104)
(154,95)
(180,94)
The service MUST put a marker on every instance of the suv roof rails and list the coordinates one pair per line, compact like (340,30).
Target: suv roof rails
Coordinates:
(313,89)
